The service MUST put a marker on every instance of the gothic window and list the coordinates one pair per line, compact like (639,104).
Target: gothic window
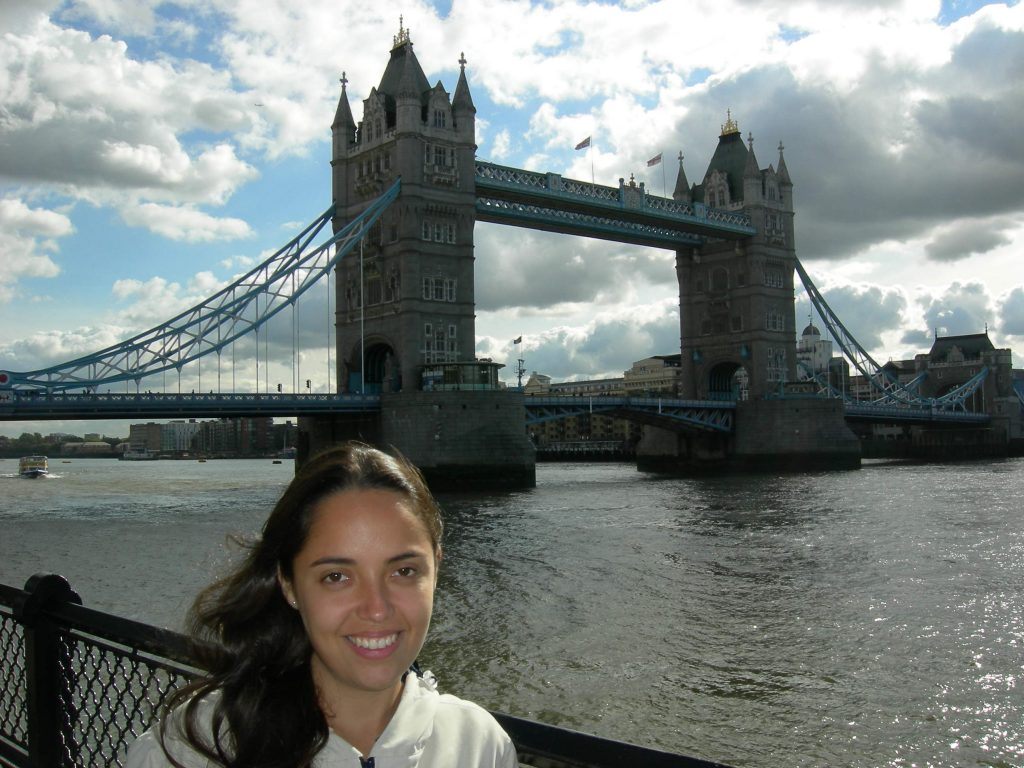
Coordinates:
(374,291)
(776,364)
(439,118)
(773,277)
(439,289)
(719,279)
(774,320)
(438,231)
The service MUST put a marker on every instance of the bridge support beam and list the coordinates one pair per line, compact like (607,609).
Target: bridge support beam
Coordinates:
(770,435)
(460,440)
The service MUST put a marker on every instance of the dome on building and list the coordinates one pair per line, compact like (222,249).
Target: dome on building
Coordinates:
(810,330)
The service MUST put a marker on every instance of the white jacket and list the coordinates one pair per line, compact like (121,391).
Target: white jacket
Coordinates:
(428,730)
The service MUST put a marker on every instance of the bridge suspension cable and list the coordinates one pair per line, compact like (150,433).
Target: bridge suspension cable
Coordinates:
(888,390)
(210,326)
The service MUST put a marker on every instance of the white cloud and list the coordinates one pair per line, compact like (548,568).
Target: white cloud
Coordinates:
(900,132)
(26,236)
(184,223)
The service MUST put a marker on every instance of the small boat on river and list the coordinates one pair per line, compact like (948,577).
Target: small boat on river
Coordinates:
(33,466)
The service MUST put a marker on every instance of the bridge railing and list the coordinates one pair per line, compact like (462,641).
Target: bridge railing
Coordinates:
(37,404)
(77,686)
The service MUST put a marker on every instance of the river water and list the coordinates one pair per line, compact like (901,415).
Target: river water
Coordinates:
(868,618)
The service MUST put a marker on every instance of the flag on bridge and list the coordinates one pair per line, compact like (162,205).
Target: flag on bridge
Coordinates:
(584,144)
(654,160)
(518,341)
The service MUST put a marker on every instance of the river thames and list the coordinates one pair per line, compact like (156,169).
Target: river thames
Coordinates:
(866,618)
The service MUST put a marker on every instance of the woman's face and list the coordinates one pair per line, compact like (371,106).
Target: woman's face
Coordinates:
(364,586)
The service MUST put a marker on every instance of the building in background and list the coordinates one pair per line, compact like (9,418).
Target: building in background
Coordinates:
(232,437)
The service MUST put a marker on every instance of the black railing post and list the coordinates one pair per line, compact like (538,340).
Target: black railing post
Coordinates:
(47,671)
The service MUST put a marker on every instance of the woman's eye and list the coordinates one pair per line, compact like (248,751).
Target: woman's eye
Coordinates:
(406,570)
(334,577)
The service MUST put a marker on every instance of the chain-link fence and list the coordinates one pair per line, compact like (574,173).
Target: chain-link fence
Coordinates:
(77,686)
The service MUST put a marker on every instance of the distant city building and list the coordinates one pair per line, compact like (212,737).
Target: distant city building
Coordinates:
(177,436)
(145,439)
(812,351)
(658,375)
(242,436)
(650,377)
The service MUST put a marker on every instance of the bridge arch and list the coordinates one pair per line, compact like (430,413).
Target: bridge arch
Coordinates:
(728,380)
(382,368)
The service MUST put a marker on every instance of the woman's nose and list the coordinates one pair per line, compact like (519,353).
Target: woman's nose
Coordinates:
(375,604)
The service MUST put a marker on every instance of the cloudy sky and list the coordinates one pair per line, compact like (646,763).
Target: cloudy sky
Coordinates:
(152,151)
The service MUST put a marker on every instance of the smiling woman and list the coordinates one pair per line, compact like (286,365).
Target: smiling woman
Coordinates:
(311,642)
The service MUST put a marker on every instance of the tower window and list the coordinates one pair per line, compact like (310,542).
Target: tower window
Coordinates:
(439,289)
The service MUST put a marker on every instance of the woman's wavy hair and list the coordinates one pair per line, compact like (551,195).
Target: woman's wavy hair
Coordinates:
(253,644)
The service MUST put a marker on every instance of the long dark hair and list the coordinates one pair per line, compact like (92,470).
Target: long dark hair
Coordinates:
(253,644)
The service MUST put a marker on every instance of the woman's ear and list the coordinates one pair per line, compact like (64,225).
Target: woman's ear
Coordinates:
(286,589)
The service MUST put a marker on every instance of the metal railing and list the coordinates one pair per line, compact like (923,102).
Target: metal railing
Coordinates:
(77,686)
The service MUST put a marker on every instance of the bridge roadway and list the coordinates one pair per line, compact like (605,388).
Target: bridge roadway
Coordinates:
(669,413)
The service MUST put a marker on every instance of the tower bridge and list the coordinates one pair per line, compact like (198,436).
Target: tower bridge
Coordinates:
(407,191)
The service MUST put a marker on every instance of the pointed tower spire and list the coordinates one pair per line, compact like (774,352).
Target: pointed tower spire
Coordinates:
(750,170)
(783,171)
(682,188)
(343,129)
(463,101)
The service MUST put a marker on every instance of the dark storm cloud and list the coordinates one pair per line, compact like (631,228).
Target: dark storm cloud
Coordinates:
(524,268)
(878,162)
(606,349)
(866,313)
(1011,313)
(920,339)
(967,238)
(962,309)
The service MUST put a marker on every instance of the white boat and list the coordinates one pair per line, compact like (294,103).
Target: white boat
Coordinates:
(33,466)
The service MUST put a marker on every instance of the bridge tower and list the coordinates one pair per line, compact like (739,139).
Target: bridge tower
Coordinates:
(738,330)
(737,316)
(406,302)
(405,318)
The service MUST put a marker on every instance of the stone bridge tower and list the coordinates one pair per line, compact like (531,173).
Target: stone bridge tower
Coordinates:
(405,319)
(736,311)
(405,302)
